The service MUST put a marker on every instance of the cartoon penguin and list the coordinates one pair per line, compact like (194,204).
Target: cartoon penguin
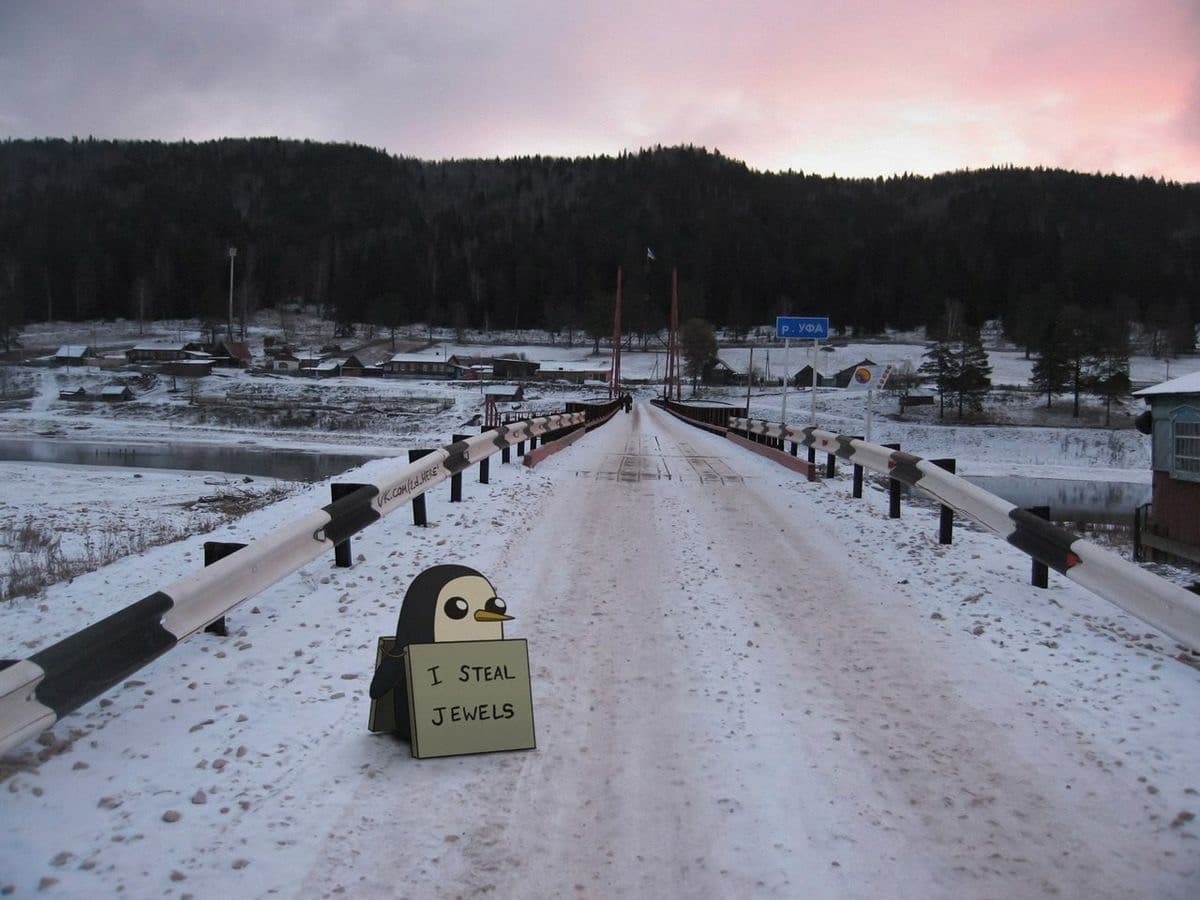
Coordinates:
(444,603)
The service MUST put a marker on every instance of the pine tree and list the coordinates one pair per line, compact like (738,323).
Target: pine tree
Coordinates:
(1051,369)
(1108,363)
(973,380)
(941,365)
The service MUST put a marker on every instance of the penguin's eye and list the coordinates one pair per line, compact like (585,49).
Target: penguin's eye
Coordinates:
(456,608)
(496,605)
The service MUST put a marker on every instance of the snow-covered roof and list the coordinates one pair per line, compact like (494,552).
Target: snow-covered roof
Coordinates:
(330,365)
(415,358)
(502,390)
(73,351)
(575,366)
(157,346)
(113,390)
(1184,384)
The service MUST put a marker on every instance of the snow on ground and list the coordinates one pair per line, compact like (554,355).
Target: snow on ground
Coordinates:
(744,685)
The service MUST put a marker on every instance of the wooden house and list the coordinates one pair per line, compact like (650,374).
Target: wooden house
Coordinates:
(508,367)
(75,355)
(504,393)
(1172,523)
(804,378)
(719,372)
(234,354)
(155,352)
(575,372)
(187,368)
(73,394)
(411,365)
(337,366)
(115,393)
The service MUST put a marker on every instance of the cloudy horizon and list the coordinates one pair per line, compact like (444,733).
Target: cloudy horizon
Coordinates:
(860,89)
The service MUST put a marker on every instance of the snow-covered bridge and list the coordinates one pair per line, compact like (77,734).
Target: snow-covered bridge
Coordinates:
(744,684)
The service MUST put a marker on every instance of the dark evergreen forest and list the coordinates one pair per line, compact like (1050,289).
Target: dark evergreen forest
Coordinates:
(107,229)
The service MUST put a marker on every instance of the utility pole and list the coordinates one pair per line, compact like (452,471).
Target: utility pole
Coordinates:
(614,387)
(232,257)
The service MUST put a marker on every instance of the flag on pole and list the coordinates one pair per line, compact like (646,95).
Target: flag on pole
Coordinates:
(650,254)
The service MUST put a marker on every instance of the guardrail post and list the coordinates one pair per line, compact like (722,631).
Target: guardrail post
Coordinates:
(812,455)
(418,502)
(946,521)
(1040,574)
(894,488)
(795,447)
(856,490)
(520,449)
(341,552)
(456,478)
(504,453)
(214,550)
(830,465)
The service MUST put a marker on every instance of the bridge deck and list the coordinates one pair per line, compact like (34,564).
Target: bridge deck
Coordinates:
(734,696)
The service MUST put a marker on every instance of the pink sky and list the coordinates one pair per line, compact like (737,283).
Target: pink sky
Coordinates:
(853,88)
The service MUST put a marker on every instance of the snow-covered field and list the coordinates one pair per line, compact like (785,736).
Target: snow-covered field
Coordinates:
(744,684)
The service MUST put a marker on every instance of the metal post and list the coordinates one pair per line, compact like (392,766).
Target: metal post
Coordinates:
(341,552)
(1039,575)
(456,478)
(794,447)
(214,550)
(520,449)
(946,521)
(483,463)
(894,488)
(786,347)
(505,453)
(856,490)
(830,465)
(418,502)
(813,412)
(812,455)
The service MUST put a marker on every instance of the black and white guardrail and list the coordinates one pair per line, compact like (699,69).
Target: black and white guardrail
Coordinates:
(36,692)
(1156,601)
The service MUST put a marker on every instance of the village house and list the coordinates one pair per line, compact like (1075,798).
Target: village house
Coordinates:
(1172,524)
(187,368)
(719,372)
(508,367)
(504,393)
(336,366)
(414,366)
(115,393)
(75,355)
(156,352)
(804,378)
(574,372)
(231,354)
(73,394)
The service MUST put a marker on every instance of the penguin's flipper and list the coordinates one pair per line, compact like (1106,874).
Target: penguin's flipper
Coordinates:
(389,674)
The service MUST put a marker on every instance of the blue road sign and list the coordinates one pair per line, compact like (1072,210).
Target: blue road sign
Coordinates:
(812,328)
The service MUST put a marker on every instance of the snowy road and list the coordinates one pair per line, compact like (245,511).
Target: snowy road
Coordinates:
(743,684)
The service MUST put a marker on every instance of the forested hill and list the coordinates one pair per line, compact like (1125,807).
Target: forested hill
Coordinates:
(94,229)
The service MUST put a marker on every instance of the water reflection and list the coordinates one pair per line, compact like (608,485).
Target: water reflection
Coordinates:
(1070,500)
(264,462)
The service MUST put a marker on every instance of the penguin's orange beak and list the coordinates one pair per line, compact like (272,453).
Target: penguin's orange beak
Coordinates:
(486,615)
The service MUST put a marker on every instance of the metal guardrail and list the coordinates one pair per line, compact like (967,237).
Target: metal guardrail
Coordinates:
(38,691)
(1166,606)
